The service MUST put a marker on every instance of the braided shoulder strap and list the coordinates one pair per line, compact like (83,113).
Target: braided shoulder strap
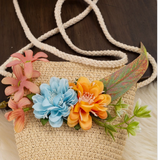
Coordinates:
(61,28)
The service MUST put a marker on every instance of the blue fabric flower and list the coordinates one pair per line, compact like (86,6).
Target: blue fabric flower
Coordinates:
(54,101)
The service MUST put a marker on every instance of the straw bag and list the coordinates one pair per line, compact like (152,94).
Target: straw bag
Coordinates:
(44,142)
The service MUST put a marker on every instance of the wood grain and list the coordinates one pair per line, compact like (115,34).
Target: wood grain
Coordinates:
(128,21)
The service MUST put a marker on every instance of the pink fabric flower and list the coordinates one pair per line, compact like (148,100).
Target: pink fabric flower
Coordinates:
(17,113)
(27,61)
(18,84)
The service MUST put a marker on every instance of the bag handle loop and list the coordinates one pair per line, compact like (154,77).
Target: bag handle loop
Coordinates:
(82,60)
(107,35)
(63,55)
(48,34)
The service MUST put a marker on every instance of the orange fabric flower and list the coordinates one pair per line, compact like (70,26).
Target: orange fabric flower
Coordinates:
(91,100)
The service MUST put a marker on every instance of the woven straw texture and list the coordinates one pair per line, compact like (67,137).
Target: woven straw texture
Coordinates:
(37,142)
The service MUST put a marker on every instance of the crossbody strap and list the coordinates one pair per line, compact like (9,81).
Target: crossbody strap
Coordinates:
(72,58)
(107,35)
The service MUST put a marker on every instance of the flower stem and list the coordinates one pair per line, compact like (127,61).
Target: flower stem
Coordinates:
(98,122)
(121,127)
(124,122)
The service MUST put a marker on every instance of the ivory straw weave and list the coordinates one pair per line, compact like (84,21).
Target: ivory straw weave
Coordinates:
(37,142)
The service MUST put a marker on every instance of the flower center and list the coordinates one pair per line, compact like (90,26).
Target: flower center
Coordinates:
(19,83)
(52,95)
(87,97)
(28,61)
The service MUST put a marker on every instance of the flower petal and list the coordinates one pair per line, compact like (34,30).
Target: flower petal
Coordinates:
(10,89)
(63,86)
(65,111)
(40,54)
(103,99)
(100,111)
(73,86)
(45,90)
(77,88)
(84,82)
(17,70)
(28,70)
(98,108)
(12,104)
(80,90)
(95,91)
(10,80)
(38,107)
(16,113)
(98,84)
(70,97)
(13,63)
(74,115)
(56,99)
(54,83)
(35,74)
(39,114)
(72,123)
(37,98)
(77,108)
(85,106)
(24,102)
(86,125)
(46,103)
(102,115)
(56,124)
(19,94)
(29,55)
(84,116)
(19,124)
(55,116)
(19,56)
(31,86)
(7,115)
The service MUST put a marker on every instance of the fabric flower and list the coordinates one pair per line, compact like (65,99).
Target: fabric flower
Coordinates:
(91,100)
(17,113)
(18,84)
(54,101)
(27,61)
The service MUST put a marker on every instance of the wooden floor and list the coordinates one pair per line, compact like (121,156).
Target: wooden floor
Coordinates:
(128,21)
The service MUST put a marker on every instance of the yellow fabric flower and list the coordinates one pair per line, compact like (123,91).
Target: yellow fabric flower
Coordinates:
(91,100)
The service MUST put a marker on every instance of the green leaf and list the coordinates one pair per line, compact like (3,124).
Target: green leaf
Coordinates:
(109,118)
(133,124)
(27,109)
(29,96)
(106,130)
(136,108)
(124,105)
(65,121)
(123,79)
(132,127)
(111,134)
(44,121)
(126,118)
(111,128)
(131,131)
(119,101)
(77,127)
(142,109)
(97,121)
(145,116)
(142,112)
(3,104)
(142,115)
